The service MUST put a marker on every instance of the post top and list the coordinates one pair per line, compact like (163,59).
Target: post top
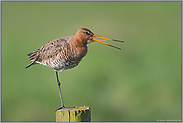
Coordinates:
(75,108)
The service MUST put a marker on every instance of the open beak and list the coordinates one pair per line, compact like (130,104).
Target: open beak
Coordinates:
(96,36)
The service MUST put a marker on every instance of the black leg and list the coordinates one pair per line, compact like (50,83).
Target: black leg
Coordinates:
(62,105)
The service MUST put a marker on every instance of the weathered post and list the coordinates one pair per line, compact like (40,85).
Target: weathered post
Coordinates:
(74,114)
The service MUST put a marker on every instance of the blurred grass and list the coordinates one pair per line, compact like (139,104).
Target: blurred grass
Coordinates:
(142,82)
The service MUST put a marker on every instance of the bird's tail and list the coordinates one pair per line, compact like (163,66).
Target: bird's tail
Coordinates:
(30,64)
(32,57)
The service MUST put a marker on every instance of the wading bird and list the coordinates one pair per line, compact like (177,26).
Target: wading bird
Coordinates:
(66,52)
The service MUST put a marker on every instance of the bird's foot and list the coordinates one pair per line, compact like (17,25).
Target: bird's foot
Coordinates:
(63,107)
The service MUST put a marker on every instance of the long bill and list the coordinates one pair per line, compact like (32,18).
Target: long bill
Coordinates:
(106,39)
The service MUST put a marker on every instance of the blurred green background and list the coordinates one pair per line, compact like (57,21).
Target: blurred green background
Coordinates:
(142,82)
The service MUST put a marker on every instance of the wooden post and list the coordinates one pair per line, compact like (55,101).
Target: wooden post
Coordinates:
(74,114)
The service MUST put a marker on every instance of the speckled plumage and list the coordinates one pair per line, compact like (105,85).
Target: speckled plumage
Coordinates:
(58,54)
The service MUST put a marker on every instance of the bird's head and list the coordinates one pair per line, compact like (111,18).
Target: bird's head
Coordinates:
(87,37)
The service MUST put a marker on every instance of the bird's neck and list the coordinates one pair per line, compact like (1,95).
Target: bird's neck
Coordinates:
(79,47)
(79,41)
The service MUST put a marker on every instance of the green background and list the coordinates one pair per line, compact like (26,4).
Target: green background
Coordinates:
(142,82)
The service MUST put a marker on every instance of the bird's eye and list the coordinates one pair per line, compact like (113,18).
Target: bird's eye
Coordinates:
(86,33)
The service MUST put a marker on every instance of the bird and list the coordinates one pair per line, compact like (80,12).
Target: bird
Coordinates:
(66,52)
